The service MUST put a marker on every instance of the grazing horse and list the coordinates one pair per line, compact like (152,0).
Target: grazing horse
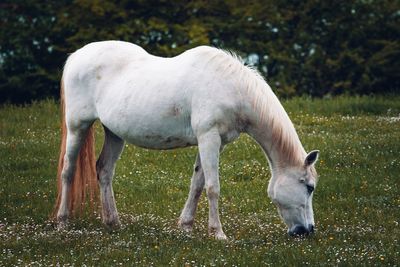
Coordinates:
(205,97)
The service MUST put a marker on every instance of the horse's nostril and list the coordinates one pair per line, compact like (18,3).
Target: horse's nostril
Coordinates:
(299,230)
(311,228)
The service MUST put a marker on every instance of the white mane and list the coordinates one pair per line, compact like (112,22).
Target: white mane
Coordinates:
(272,116)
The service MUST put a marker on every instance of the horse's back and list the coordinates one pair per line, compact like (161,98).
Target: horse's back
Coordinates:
(95,57)
(90,65)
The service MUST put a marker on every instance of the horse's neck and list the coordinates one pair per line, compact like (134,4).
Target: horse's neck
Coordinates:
(274,131)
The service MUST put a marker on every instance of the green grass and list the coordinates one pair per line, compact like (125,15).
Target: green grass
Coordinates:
(356,203)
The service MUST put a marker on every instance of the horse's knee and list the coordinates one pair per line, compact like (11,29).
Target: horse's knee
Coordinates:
(198,191)
(104,174)
(212,191)
(99,167)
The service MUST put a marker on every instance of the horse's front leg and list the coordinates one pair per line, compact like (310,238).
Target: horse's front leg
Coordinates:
(186,219)
(105,167)
(209,147)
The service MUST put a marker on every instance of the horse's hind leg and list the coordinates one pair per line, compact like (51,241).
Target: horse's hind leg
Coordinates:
(105,166)
(75,138)
(196,188)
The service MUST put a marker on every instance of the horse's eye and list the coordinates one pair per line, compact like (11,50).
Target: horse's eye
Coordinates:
(310,189)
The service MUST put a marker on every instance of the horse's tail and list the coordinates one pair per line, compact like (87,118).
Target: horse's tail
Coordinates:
(84,188)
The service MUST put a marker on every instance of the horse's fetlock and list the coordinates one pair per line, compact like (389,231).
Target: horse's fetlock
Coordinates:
(212,230)
(62,218)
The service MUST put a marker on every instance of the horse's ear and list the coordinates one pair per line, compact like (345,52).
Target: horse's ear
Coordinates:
(311,158)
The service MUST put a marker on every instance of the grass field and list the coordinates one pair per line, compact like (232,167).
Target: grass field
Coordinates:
(356,202)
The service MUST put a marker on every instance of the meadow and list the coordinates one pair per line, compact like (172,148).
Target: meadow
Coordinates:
(356,202)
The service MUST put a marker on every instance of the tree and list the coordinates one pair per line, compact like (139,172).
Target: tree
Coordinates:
(309,47)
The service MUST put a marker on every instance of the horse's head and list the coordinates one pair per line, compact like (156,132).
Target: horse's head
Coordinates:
(291,190)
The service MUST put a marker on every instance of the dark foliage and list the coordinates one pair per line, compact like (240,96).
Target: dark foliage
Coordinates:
(302,47)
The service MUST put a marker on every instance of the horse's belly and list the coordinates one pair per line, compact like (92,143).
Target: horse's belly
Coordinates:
(155,133)
(154,141)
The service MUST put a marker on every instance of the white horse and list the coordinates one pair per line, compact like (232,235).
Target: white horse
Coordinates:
(204,97)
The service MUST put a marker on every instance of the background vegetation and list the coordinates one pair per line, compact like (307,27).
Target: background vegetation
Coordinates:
(356,202)
(302,47)
(311,47)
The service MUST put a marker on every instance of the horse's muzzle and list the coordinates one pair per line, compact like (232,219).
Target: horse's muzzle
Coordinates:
(300,230)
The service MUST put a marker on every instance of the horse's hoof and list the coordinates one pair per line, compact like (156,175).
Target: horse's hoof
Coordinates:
(62,225)
(112,225)
(185,226)
(217,234)
(62,222)
(220,236)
